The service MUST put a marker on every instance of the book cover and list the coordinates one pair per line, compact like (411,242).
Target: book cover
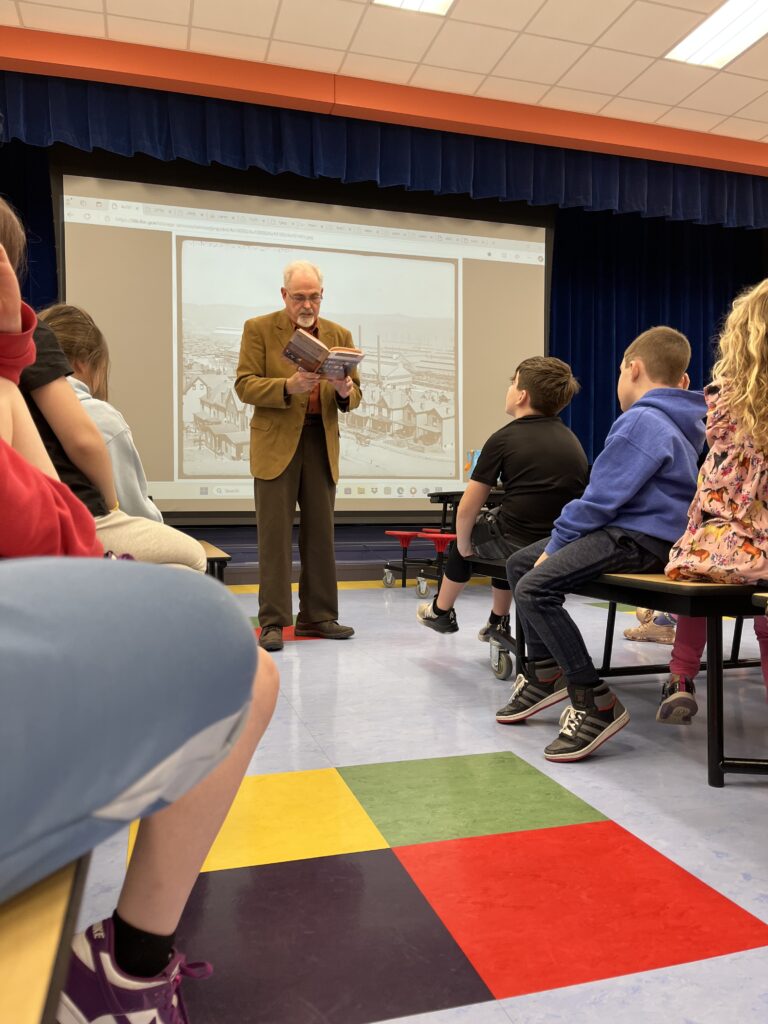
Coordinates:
(308,352)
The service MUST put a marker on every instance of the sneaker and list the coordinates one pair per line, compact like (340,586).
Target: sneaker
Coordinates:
(595,715)
(97,990)
(678,701)
(328,630)
(489,629)
(444,623)
(532,694)
(271,638)
(655,627)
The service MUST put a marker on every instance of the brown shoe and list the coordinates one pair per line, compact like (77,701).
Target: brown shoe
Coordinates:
(330,630)
(271,638)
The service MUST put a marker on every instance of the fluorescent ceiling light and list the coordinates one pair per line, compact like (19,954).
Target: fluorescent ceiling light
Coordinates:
(425,6)
(725,34)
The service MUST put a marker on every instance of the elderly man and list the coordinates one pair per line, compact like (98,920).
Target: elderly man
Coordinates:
(295,458)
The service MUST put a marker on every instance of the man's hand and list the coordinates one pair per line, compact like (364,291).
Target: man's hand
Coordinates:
(301,382)
(344,387)
(542,558)
(10,297)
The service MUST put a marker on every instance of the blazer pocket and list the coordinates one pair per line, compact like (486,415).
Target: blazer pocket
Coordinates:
(260,423)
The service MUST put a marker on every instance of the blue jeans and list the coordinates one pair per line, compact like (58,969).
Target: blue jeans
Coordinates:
(121,686)
(540,593)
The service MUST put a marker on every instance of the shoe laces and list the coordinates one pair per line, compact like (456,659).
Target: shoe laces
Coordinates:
(520,684)
(198,969)
(570,721)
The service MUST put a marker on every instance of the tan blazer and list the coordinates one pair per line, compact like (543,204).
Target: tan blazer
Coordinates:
(277,421)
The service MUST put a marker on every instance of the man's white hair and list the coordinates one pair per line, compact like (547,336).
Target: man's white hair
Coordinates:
(301,267)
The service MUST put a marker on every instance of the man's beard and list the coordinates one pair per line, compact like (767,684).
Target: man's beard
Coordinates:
(305,319)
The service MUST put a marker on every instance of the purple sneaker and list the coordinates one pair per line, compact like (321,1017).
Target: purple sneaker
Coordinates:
(97,990)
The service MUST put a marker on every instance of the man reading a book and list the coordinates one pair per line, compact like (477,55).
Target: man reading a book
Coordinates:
(295,458)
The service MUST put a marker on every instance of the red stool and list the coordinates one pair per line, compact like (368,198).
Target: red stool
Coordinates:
(441,542)
(405,537)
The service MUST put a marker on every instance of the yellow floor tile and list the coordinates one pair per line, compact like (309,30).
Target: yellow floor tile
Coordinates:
(292,816)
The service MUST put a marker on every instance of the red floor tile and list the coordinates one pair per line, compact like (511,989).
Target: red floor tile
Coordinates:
(542,909)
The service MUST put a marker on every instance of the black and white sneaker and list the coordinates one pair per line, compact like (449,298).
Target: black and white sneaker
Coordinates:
(532,694)
(445,622)
(489,629)
(594,716)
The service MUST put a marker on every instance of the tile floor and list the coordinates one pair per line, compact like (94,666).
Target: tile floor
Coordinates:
(396,855)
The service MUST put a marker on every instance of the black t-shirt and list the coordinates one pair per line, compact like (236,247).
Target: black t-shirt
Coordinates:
(541,466)
(50,364)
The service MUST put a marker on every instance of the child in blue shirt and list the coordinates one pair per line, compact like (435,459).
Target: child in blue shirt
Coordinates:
(635,506)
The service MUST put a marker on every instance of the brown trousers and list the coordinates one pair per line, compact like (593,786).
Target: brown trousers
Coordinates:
(306,480)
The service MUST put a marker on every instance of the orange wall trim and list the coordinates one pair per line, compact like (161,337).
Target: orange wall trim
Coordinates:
(105,60)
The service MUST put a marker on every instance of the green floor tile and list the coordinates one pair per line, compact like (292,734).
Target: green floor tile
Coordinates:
(619,607)
(454,797)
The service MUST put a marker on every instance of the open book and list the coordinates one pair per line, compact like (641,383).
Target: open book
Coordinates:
(312,355)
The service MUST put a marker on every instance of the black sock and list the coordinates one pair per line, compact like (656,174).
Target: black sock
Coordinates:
(438,610)
(140,954)
(495,619)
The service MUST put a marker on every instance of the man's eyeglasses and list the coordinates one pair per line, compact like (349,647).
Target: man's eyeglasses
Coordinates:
(314,299)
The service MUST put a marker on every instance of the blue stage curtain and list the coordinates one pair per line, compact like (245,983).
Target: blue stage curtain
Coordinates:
(25,184)
(613,277)
(120,119)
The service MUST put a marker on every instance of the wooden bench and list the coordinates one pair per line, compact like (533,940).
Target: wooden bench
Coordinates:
(216,559)
(36,928)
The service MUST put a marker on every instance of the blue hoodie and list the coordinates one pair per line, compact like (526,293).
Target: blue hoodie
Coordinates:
(645,476)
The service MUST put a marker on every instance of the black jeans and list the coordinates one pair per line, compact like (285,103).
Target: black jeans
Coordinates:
(540,593)
(459,570)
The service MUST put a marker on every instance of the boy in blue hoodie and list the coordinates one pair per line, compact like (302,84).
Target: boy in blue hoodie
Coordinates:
(634,508)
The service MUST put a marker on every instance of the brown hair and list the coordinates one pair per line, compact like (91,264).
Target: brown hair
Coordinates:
(13,238)
(549,383)
(81,341)
(741,369)
(665,352)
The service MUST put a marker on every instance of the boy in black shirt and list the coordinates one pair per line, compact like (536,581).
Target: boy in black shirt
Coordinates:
(541,466)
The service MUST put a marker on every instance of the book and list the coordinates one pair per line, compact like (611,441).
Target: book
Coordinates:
(312,355)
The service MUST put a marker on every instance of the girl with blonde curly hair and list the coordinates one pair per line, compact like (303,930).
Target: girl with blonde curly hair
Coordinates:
(727,536)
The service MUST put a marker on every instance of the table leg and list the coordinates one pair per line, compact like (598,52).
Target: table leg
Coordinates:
(715,727)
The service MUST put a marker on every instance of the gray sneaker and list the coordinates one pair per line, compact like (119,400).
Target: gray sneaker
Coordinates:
(594,716)
(678,701)
(531,695)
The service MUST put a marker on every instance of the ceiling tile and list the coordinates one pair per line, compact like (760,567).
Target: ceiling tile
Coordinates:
(579,22)
(513,92)
(633,110)
(384,31)
(173,11)
(757,110)
(8,13)
(575,99)
(604,70)
(446,80)
(227,44)
(668,82)
(739,128)
(650,29)
(693,120)
(468,47)
(310,58)
(702,6)
(149,33)
(58,19)
(753,63)
(512,14)
(725,94)
(535,59)
(81,5)
(331,23)
(254,17)
(379,69)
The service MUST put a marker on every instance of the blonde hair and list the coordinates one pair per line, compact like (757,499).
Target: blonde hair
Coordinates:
(741,369)
(81,341)
(665,353)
